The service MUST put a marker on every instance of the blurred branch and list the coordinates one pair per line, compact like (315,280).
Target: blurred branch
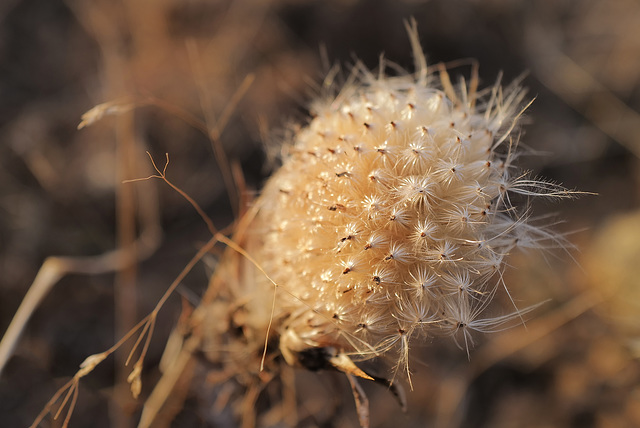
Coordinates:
(580,90)
(503,346)
(55,268)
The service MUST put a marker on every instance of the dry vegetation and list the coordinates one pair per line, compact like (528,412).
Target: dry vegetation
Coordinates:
(62,192)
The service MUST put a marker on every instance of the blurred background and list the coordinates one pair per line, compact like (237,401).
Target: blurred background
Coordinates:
(250,68)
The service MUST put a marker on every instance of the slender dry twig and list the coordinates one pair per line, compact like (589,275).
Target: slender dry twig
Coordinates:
(54,268)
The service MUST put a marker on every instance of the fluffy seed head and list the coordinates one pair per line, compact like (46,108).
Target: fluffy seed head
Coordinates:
(391,214)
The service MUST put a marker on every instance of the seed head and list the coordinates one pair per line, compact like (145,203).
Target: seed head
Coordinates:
(391,215)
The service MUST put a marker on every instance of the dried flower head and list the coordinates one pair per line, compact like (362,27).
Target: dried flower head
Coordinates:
(388,221)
